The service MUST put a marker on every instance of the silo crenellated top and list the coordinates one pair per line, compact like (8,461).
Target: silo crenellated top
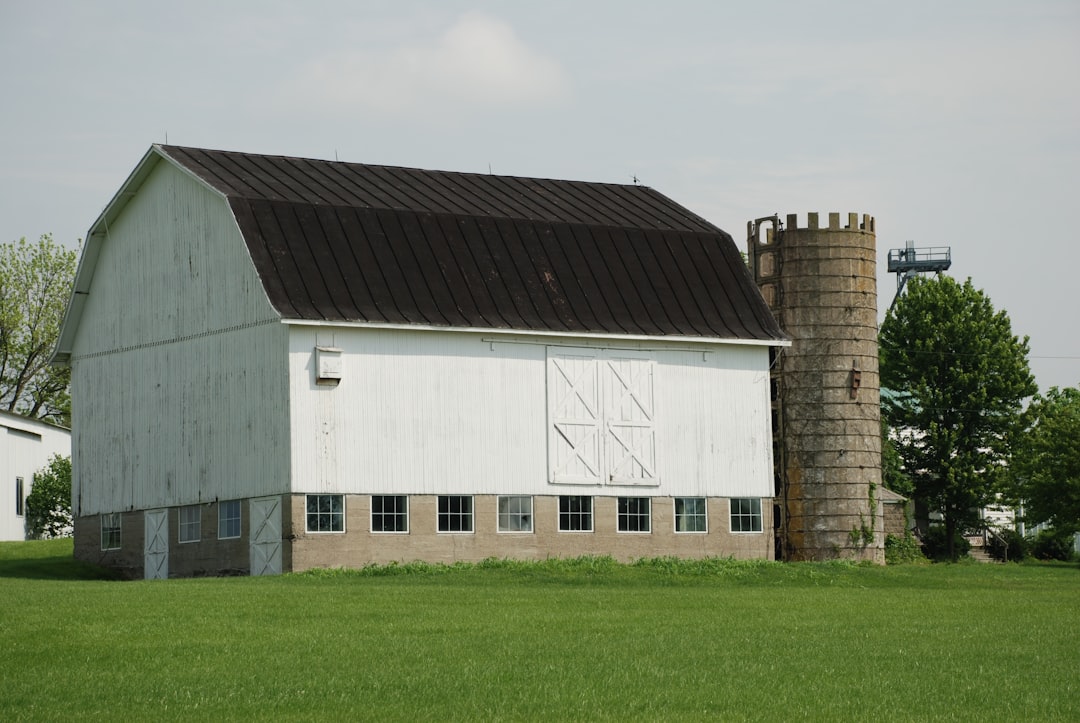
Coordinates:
(865,225)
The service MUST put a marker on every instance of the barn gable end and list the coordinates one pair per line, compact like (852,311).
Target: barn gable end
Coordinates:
(176,356)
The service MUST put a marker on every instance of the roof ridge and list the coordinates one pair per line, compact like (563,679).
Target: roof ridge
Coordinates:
(278,156)
(348,184)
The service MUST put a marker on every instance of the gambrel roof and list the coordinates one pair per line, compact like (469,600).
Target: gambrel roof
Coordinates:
(350,242)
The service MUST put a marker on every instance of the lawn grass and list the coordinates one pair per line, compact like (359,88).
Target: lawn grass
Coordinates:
(562,640)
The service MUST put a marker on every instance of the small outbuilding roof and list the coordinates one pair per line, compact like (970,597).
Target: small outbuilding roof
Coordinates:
(28,425)
(350,242)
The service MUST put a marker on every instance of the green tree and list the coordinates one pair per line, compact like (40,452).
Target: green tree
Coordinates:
(48,506)
(35,284)
(1047,463)
(892,466)
(958,378)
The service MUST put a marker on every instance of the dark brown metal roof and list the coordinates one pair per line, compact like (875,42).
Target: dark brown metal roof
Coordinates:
(352,242)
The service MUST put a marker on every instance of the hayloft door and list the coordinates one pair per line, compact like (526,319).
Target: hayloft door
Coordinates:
(156,544)
(265,515)
(629,415)
(574,426)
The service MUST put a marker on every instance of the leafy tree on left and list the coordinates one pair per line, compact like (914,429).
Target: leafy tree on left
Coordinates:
(35,284)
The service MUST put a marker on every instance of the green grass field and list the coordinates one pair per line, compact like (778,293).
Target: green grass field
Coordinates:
(562,640)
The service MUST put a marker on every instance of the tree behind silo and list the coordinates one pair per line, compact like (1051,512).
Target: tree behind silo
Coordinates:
(1047,464)
(959,377)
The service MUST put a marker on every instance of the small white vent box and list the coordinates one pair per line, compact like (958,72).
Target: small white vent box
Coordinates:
(327,365)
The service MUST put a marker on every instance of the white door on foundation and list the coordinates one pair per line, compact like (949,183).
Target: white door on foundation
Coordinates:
(156,544)
(265,516)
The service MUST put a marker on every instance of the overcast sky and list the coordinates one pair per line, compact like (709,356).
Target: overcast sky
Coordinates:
(954,123)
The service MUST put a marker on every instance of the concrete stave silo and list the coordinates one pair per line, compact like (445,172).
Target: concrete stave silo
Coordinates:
(821,283)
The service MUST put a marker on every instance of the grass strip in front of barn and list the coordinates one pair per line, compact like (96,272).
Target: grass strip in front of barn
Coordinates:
(585,639)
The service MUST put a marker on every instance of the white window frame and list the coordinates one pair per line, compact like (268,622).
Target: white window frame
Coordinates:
(20,500)
(703,515)
(449,515)
(189,524)
(225,520)
(589,515)
(319,514)
(111,531)
(752,515)
(395,514)
(625,516)
(514,521)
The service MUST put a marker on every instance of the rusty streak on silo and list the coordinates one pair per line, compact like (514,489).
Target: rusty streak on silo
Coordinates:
(821,283)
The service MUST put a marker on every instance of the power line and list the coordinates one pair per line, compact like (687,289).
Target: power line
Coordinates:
(937,352)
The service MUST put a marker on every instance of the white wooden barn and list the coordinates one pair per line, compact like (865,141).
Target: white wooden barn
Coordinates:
(280,363)
(26,446)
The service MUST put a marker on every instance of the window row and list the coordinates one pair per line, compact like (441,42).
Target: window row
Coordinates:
(390,513)
(189,527)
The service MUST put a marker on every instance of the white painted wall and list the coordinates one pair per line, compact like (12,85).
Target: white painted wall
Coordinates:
(428,412)
(179,390)
(26,446)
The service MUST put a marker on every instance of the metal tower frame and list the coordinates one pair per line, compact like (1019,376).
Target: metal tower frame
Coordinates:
(910,261)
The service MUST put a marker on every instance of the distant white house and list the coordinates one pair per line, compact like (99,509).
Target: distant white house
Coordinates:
(26,446)
(280,363)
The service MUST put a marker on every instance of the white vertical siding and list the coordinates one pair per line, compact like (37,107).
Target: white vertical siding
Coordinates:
(713,422)
(436,412)
(418,412)
(179,389)
(26,446)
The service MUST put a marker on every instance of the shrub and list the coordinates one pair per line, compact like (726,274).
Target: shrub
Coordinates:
(902,549)
(936,546)
(48,506)
(1008,546)
(1053,544)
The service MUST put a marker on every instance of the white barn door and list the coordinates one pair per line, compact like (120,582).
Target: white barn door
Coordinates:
(602,417)
(265,516)
(575,427)
(629,412)
(156,544)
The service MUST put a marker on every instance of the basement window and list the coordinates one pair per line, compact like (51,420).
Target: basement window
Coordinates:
(228,520)
(575,513)
(634,514)
(389,513)
(325,513)
(515,514)
(110,531)
(690,514)
(745,514)
(190,528)
(455,513)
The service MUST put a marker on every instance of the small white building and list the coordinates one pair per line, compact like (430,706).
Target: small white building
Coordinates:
(26,446)
(281,363)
